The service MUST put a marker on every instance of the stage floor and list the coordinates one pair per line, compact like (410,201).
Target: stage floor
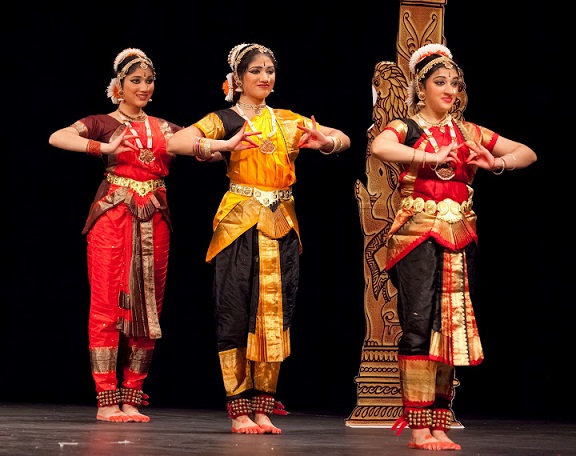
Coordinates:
(46,430)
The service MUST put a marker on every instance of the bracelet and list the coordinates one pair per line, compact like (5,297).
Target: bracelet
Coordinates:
(436,166)
(334,146)
(205,149)
(515,161)
(502,169)
(196,146)
(413,156)
(337,138)
(423,158)
(93,148)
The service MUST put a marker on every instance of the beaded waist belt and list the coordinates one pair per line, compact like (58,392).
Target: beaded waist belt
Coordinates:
(447,210)
(265,197)
(140,187)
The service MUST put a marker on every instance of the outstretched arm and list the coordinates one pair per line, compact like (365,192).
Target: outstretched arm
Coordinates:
(68,138)
(191,141)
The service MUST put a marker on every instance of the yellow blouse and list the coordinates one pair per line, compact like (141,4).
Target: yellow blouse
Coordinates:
(265,171)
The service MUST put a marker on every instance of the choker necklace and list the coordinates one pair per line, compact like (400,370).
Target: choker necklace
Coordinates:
(441,123)
(146,154)
(139,118)
(252,107)
(443,171)
(267,146)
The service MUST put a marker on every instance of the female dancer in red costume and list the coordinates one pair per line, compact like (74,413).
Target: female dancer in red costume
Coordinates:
(432,243)
(128,234)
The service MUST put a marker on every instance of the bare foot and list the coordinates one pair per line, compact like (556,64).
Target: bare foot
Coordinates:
(244,425)
(134,414)
(113,414)
(442,437)
(422,439)
(265,424)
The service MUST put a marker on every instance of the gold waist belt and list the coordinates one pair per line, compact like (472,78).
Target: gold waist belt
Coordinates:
(142,188)
(265,197)
(447,210)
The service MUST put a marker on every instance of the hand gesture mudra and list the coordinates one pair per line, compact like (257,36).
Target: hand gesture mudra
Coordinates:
(448,153)
(480,156)
(120,144)
(312,137)
(242,140)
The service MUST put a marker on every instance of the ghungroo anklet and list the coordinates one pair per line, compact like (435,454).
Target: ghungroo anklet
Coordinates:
(441,419)
(133,397)
(239,407)
(415,418)
(108,397)
(263,404)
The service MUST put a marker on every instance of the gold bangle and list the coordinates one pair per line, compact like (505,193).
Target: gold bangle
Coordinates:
(413,156)
(424,159)
(204,149)
(93,148)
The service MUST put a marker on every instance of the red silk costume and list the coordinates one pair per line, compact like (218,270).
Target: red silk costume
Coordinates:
(128,234)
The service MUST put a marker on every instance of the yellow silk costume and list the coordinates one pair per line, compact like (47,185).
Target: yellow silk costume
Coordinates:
(253,363)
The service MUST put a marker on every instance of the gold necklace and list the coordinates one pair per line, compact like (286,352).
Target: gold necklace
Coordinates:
(139,118)
(256,108)
(447,118)
(444,171)
(267,146)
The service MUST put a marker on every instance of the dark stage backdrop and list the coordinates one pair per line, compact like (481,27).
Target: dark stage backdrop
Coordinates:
(58,64)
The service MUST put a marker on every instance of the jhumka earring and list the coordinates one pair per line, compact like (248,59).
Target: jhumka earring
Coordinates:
(421,97)
(239,87)
(120,95)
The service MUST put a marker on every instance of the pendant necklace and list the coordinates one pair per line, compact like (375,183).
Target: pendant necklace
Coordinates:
(146,154)
(267,146)
(139,118)
(256,108)
(443,171)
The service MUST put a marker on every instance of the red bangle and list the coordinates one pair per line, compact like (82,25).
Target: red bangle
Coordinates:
(93,148)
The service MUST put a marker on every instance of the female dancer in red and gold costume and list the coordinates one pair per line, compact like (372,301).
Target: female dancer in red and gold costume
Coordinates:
(128,234)
(432,243)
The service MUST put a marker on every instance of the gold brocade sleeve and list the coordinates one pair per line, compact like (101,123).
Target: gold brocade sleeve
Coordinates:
(211,126)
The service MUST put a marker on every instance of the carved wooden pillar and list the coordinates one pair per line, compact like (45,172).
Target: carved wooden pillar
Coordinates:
(379,401)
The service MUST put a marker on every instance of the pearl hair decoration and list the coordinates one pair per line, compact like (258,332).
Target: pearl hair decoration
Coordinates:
(425,51)
(125,53)
(228,88)
(234,53)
